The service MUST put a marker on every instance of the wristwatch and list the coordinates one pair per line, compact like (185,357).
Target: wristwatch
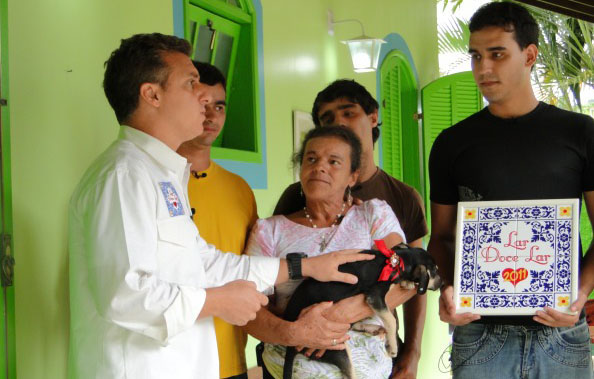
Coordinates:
(294,265)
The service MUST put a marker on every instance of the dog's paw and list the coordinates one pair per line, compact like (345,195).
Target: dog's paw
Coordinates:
(406,284)
(392,352)
(374,330)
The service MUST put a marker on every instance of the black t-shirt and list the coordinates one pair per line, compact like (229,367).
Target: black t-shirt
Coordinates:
(402,198)
(545,154)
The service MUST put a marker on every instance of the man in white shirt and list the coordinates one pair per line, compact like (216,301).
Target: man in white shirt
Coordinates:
(143,284)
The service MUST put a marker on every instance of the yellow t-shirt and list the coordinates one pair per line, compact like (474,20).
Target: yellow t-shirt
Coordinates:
(225,211)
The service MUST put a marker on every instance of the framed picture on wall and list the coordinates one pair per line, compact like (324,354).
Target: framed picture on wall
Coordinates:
(516,257)
(302,123)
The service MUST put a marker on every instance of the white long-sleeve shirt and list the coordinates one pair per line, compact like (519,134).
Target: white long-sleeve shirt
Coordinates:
(139,268)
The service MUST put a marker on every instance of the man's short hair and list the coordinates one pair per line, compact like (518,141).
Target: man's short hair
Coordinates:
(138,60)
(209,74)
(350,90)
(509,16)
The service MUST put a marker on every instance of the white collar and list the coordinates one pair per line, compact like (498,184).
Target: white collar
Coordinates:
(157,149)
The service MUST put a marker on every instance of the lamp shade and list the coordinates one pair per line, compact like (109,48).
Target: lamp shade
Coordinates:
(364,52)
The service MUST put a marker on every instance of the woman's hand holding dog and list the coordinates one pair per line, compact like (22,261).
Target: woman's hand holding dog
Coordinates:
(314,330)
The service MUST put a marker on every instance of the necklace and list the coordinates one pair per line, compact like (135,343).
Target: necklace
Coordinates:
(326,237)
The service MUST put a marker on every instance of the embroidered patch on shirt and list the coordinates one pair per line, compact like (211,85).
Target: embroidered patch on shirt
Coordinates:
(171,199)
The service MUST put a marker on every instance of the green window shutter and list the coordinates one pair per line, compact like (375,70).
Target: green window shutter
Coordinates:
(445,102)
(391,121)
(223,33)
(214,39)
(400,127)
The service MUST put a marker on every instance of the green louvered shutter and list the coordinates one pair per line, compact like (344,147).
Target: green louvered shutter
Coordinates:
(401,144)
(446,101)
(391,120)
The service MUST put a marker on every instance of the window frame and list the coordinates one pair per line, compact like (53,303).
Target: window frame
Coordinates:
(249,163)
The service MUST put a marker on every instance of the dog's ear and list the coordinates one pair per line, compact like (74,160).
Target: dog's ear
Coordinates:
(420,274)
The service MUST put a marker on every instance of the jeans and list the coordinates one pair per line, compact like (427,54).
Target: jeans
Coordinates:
(522,352)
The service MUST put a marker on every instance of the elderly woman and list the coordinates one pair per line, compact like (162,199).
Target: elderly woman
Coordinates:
(330,158)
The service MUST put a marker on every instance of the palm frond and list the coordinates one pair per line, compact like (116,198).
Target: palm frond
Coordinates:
(453,36)
(455,4)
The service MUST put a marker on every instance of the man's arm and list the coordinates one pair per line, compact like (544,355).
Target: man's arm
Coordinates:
(324,268)
(587,273)
(441,248)
(414,322)
(551,317)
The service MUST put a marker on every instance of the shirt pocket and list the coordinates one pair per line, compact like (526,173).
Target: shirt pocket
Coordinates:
(177,251)
(178,231)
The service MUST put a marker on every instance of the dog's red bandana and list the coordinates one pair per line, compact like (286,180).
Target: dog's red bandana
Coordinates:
(394,265)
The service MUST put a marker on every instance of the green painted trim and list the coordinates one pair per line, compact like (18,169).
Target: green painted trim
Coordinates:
(224,10)
(7,187)
(256,89)
(236,155)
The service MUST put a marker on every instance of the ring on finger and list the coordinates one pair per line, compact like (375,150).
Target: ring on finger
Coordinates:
(334,342)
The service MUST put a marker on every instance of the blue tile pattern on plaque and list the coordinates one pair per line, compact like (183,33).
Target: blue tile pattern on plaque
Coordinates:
(563,256)
(563,273)
(543,231)
(490,232)
(540,280)
(495,301)
(468,257)
(538,212)
(497,213)
(531,263)
(563,237)
(488,281)
(533,301)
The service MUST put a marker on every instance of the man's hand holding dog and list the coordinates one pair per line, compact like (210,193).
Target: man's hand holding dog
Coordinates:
(324,268)
(447,309)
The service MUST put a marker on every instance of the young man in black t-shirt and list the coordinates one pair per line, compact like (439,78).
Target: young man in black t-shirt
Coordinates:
(517,148)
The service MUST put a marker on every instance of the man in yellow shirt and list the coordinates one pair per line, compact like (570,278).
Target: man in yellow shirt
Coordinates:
(225,208)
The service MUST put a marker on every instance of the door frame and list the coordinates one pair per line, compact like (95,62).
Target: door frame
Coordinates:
(7,340)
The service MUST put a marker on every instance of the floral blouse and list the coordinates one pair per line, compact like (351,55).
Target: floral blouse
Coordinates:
(277,236)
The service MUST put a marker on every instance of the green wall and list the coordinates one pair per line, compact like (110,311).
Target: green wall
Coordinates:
(60,121)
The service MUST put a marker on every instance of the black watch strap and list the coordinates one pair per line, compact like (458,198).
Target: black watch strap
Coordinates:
(294,265)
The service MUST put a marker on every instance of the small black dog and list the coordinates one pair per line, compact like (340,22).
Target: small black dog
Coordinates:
(405,265)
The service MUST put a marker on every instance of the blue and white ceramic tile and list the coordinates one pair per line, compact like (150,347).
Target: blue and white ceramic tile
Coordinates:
(467,259)
(516,257)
